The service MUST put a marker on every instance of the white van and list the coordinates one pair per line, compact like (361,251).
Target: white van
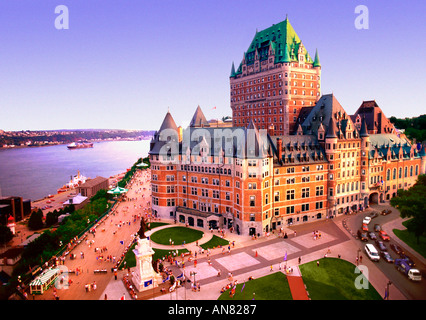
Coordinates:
(372,252)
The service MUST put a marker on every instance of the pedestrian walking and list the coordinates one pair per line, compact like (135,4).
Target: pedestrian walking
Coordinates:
(317,263)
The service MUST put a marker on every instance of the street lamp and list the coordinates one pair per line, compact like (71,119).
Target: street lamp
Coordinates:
(387,289)
(193,273)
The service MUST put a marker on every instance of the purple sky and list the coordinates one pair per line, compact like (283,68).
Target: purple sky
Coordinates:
(122,64)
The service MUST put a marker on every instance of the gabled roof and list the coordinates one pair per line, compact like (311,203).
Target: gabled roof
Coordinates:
(330,114)
(375,119)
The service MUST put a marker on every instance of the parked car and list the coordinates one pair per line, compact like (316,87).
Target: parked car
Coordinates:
(366,220)
(386,212)
(384,236)
(364,227)
(373,215)
(381,245)
(362,235)
(387,257)
(397,249)
(372,236)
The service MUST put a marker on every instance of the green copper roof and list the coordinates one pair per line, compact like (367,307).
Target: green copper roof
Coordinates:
(286,54)
(232,70)
(316,61)
(278,36)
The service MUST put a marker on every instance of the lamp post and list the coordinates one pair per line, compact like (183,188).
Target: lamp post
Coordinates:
(387,289)
(357,260)
(193,273)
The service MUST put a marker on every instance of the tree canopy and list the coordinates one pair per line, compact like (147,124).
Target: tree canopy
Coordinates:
(412,204)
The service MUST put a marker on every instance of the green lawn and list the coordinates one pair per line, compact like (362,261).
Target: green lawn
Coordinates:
(411,240)
(215,241)
(177,234)
(271,287)
(159,254)
(334,279)
(153,225)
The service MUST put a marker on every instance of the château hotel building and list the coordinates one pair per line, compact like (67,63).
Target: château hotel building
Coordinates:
(291,155)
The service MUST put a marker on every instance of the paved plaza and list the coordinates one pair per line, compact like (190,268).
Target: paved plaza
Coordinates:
(237,261)
(248,257)
(276,250)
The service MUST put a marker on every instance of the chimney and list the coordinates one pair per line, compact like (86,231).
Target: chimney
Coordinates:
(280,149)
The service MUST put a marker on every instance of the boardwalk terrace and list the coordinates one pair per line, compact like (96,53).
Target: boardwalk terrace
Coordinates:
(250,181)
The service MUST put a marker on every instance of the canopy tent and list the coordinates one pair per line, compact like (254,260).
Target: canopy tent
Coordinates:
(118,190)
(142,164)
(44,280)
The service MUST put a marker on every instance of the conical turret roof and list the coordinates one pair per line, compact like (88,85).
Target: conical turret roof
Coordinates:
(199,120)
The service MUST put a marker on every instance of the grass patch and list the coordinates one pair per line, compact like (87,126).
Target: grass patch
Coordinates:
(177,234)
(411,240)
(153,225)
(130,257)
(271,287)
(160,253)
(334,279)
(215,241)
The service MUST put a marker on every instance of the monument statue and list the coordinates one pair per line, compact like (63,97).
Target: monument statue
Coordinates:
(144,227)
(144,276)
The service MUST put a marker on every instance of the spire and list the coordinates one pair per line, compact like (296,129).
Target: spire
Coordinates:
(316,61)
(286,54)
(332,129)
(363,131)
(232,69)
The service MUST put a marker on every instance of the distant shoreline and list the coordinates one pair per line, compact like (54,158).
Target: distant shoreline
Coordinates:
(66,143)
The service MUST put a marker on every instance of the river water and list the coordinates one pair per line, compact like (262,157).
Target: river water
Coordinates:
(33,173)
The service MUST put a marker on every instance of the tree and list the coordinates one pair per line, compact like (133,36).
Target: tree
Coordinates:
(36,220)
(5,234)
(412,203)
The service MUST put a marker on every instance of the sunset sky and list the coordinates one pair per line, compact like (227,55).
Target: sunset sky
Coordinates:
(123,64)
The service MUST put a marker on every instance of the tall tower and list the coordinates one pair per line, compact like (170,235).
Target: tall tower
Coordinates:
(365,146)
(274,81)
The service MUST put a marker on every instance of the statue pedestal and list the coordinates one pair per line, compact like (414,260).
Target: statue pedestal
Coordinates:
(145,277)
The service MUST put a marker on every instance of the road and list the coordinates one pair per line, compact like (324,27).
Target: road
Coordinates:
(412,290)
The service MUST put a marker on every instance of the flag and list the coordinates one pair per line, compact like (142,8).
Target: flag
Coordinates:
(147,283)
(243,286)
(386,294)
(285,257)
